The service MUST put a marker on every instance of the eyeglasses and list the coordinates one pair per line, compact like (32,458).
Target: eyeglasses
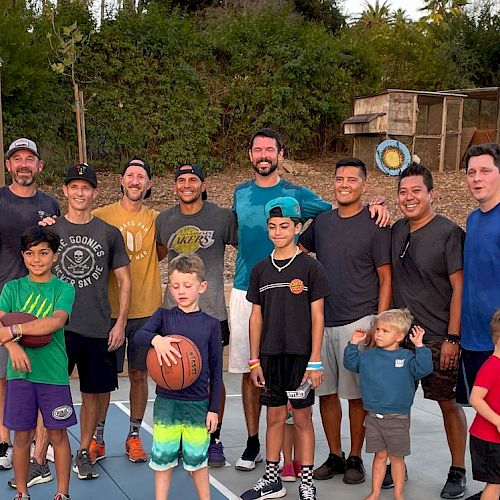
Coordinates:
(404,246)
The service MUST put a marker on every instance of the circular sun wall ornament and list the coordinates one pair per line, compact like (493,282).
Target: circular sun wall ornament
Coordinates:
(392,157)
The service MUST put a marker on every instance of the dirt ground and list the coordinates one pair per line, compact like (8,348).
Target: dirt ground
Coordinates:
(452,197)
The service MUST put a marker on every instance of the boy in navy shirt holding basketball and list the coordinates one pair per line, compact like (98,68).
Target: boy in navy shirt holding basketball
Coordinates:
(31,386)
(184,418)
(287,293)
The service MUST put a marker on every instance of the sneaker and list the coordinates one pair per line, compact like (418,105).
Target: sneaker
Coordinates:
(265,489)
(333,465)
(97,451)
(354,471)
(297,468)
(307,492)
(37,474)
(216,456)
(249,459)
(387,483)
(455,484)
(134,449)
(5,456)
(288,474)
(22,496)
(61,496)
(477,496)
(50,454)
(83,466)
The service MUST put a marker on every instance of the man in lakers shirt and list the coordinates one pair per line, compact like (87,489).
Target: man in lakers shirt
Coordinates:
(197,225)
(136,223)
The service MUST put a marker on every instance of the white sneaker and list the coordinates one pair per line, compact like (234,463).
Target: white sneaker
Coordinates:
(5,456)
(248,460)
(50,454)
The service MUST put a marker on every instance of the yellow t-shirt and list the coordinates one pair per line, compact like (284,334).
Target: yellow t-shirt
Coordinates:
(138,231)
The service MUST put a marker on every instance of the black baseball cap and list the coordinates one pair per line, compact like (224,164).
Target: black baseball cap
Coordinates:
(189,168)
(81,171)
(138,162)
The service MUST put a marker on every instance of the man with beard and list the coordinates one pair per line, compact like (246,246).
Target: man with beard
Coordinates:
(265,150)
(22,205)
(136,223)
(197,225)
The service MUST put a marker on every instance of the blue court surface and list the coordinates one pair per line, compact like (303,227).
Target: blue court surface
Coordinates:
(119,479)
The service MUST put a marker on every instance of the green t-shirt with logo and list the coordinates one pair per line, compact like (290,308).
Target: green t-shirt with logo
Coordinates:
(49,364)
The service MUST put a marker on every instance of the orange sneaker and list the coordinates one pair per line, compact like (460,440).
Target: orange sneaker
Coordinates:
(134,449)
(97,451)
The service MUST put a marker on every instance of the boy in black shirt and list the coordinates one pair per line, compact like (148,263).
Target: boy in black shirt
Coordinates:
(287,291)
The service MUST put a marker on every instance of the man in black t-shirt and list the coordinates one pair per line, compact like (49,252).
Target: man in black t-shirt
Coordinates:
(427,262)
(22,205)
(355,253)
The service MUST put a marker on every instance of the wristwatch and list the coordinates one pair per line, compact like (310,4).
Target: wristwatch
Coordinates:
(452,338)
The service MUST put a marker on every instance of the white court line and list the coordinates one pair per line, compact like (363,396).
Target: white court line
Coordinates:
(214,482)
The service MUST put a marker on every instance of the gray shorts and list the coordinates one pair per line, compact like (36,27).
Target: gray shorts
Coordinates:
(4,356)
(388,432)
(339,380)
(136,354)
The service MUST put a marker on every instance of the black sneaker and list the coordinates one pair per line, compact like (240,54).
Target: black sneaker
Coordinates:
(307,492)
(455,484)
(37,474)
(83,466)
(333,465)
(354,471)
(265,489)
(249,459)
(387,482)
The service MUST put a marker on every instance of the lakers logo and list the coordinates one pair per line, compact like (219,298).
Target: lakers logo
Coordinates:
(296,286)
(189,239)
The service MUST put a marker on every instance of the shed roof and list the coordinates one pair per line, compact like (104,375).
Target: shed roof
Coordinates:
(444,93)
(488,93)
(366,118)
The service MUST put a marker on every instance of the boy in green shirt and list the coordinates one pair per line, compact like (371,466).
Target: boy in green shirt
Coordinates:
(37,378)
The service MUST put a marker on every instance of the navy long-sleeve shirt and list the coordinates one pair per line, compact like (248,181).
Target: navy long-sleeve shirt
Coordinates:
(387,378)
(205,332)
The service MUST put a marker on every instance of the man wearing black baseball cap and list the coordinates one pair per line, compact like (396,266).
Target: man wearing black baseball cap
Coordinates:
(136,223)
(197,225)
(22,205)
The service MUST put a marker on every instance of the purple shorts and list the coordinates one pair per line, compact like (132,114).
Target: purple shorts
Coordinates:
(23,400)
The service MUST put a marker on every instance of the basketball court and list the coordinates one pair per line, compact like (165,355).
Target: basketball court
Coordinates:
(120,479)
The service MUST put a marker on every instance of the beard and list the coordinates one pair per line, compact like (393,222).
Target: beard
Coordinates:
(264,171)
(134,197)
(23,181)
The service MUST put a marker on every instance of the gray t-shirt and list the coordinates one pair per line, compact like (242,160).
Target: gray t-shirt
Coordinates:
(207,233)
(350,249)
(421,269)
(17,214)
(88,252)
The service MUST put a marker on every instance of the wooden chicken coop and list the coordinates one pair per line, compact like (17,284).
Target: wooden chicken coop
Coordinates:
(428,123)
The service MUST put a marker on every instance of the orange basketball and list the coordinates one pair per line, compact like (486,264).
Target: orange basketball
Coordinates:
(15,318)
(181,375)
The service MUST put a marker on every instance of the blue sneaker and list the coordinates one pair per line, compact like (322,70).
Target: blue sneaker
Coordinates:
(216,456)
(265,489)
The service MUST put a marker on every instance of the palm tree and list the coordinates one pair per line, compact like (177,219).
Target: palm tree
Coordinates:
(400,16)
(375,14)
(440,10)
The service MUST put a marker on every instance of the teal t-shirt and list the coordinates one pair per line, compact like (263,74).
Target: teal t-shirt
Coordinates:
(253,241)
(49,364)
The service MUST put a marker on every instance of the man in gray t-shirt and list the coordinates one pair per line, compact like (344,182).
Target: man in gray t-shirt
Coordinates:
(199,226)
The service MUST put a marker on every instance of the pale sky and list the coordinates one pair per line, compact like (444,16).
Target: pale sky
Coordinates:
(353,7)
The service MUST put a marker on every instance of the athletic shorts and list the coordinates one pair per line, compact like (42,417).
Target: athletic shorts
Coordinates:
(390,433)
(96,365)
(282,373)
(469,364)
(179,425)
(485,460)
(4,356)
(239,344)
(440,385)
(340,380)
(136,354)
(23,400)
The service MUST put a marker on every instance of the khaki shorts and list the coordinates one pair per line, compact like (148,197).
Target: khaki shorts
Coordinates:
(239,343)
(339,380)
(388,432)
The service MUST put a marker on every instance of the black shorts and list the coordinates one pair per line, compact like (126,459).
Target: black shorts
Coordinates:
(282,373)
(485,460)
(224,326)
(136,354)
(96,365)
(469,364)
(440,385)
